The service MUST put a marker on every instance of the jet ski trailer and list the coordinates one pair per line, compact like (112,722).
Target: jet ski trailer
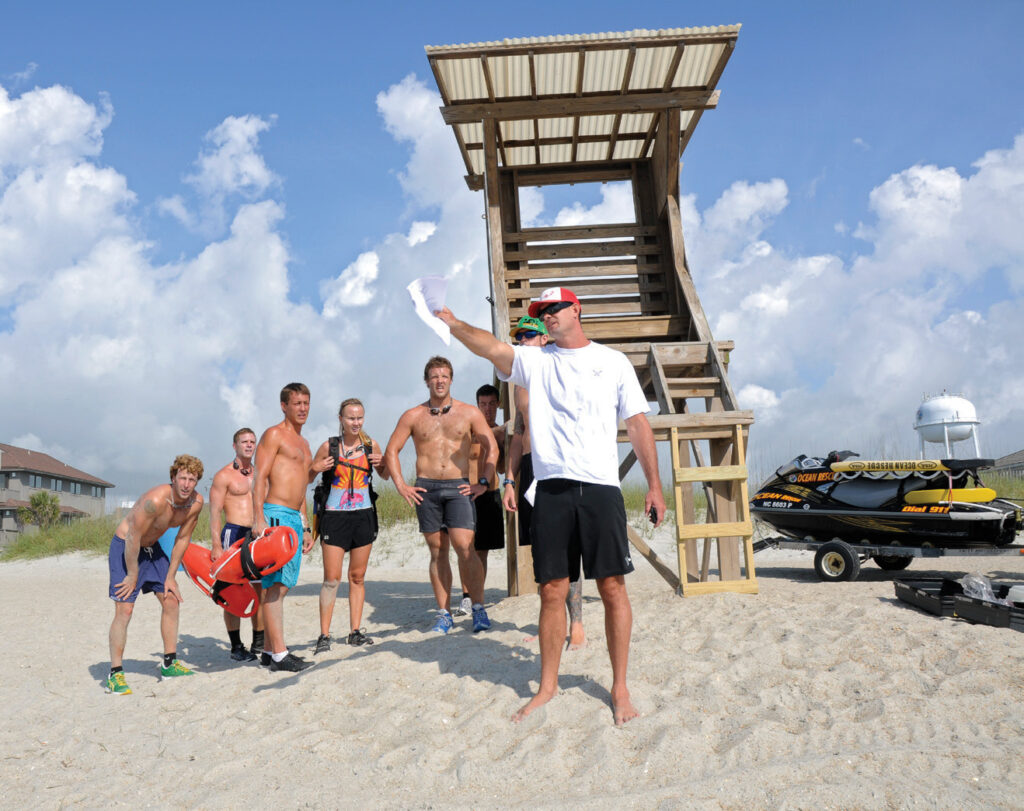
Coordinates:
(889,511)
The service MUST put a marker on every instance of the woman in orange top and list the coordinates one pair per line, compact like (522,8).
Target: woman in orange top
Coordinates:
(349,522)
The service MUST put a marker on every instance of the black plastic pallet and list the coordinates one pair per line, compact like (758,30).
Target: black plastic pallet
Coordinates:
(935,595)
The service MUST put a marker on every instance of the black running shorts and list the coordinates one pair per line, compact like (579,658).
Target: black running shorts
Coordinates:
(490,522)
(348,529)
(574,521)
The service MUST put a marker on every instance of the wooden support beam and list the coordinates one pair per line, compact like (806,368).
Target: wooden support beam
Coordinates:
(578,270)
(583,232)
(722,530)
(581,250)
(673,66)
(722,473)
(606,104)
(682,271)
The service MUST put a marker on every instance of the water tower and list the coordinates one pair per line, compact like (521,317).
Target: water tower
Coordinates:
(945,419)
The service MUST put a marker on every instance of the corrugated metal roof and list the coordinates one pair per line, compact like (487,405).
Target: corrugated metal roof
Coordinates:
(581,97)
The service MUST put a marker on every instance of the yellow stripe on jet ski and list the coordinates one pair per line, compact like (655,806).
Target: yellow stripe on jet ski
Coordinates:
(972,495)
(867,466)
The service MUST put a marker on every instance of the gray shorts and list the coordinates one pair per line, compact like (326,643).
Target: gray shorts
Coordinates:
(444,506)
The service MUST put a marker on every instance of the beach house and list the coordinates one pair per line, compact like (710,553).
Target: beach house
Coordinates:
(24,472)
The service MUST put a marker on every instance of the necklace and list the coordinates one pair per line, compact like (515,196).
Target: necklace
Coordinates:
(184,506)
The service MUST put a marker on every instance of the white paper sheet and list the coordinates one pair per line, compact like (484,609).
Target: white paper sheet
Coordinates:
(531,492)
(427,294)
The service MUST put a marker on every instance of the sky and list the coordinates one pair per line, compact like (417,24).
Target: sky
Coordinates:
(202,202)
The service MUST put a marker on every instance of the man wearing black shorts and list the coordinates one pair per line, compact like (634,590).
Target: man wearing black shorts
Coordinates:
(579,390)
(490,520)
(443,430)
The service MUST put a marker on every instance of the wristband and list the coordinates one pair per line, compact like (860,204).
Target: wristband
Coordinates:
(506,482)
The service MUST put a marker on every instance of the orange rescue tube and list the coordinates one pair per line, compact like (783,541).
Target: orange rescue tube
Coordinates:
(253,558)
(239,599)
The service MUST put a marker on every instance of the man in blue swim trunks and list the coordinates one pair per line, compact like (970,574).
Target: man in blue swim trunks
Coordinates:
(137,563)
(230,518)
(443,430)
(284,468)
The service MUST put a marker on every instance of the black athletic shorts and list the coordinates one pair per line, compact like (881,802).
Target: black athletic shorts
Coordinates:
(525,507)
(348,529)
(490,522)
(574,520)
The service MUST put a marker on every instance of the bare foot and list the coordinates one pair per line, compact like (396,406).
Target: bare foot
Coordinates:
(623,709)
(538,700)
(577,638)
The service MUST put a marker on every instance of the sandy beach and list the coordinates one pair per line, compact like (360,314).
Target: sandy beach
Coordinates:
(807,695)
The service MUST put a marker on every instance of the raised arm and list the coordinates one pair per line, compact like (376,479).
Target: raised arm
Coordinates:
(480,342)
(642,439)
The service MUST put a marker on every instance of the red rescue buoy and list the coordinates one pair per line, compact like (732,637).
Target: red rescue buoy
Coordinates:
(252,558)
(239,599)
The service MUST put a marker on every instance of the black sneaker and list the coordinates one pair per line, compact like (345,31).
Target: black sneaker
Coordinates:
(265,659)
(291,663)
(323,644)
(240,654)
(357,637)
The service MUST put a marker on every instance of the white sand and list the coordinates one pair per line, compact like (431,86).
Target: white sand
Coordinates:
(808,695)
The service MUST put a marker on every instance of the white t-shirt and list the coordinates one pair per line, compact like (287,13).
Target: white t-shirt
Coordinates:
(577,397)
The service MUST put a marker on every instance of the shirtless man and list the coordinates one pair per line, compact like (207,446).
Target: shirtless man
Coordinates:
(284,468)
(532,332)
(137,563)
(490,520)
(443,430)
(231,494)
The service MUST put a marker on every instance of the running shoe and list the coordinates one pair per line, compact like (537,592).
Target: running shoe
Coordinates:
(464,608)
(357,637)
(117,685)
(323,644)
(239,653)
(290,663)
(443,624)
(176,669)
(481,622)
(265,659)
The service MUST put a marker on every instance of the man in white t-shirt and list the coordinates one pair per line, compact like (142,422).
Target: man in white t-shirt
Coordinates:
(579,391)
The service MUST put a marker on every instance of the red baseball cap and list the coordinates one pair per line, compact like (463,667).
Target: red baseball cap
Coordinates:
(553,295)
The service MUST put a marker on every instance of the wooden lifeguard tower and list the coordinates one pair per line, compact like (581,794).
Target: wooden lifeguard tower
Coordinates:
(598,108)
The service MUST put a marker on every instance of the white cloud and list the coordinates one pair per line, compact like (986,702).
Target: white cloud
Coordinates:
(420,232)
(22,76)
(860,142)
(352,287)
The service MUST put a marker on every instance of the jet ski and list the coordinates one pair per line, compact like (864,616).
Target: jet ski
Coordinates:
(921,503)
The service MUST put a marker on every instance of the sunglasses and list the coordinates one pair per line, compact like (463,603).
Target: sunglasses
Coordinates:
(526,335)
(551,309)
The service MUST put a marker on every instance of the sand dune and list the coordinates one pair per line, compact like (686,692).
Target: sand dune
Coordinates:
(808,695)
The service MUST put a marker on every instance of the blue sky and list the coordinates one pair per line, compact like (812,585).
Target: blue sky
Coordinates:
(248,161)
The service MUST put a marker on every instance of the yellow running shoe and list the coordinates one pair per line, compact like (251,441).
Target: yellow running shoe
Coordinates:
(117,685)
(176,669)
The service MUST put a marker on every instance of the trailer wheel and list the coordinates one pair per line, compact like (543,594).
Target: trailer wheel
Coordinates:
(891,563)
(836,561)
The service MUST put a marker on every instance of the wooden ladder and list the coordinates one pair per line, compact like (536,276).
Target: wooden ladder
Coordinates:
(696,370)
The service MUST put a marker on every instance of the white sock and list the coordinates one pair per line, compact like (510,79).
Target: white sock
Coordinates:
(277,657)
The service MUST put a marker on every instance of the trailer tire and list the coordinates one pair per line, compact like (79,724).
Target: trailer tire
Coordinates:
(891,563)
(836,562)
